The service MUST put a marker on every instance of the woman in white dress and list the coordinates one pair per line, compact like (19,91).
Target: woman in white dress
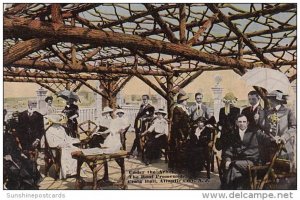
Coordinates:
(56,137)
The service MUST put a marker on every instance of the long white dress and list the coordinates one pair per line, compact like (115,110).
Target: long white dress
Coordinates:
(113,141)
(57,137)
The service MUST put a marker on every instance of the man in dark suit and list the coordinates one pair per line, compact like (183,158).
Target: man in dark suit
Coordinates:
(198,109)
(31,127)
(227,119)
(142,122)
(243,151)
(252,111)
(180,130)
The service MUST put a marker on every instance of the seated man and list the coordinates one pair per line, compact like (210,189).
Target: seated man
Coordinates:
(198,147)
(157,132)
(242,151)
(19,172)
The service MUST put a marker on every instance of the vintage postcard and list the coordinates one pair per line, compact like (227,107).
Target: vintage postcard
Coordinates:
(149,96)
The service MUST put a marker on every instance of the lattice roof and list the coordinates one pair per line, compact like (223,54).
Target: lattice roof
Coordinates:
(90,41)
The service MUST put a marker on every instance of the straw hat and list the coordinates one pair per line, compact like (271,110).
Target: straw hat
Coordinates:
(119,111)
(182,96)
(229,97)
(107,110)
(161,111)
(278,95)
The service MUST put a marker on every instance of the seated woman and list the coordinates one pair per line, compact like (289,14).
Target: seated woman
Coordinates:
(19,172)
(198,148)
(103,123)
(56,137)
(112,143)
(157,139)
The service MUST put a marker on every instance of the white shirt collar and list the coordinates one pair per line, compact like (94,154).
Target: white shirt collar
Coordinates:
(242,133)
(255,106)
(277,107)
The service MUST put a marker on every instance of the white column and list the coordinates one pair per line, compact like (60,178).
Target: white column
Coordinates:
(40,99)
(217,92)
(119,99)
(161,102)
(98,103)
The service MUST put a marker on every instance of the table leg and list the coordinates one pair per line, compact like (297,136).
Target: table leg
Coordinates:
(79,184)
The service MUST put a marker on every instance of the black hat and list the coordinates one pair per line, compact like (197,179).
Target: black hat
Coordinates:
(48,98)
(201,119)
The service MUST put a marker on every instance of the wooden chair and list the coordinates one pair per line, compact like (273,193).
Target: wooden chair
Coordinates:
(85,131)
(209,163)
(52,155)
(261,176)
(123,137)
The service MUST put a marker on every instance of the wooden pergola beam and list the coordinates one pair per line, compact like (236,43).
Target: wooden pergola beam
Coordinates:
(105,38)
(153,86)
(122,85)
(47,87)
(32,64)
(208,23)
(22,49)
(187,81)
(134,17)
(164,26)
(249,35)
(23,73)
(152,61)
(273,10)
(56,13)
(78,86)
(31,80)
(94,89)
(234,29)
(271,50)
(182,23)
(16,8)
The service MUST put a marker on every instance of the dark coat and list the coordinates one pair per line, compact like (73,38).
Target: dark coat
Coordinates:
(249,113)
(203,140)
(180,124)
(30,128)
(145,113)
(241,154)
(228,121)
(70,111)
(228,125)
(246,149)
(22,173)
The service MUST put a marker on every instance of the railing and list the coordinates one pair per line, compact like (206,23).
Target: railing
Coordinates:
(84,114)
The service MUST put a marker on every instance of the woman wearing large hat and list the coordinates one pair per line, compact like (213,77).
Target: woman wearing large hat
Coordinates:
(227,117)
(280,122)
(180,130)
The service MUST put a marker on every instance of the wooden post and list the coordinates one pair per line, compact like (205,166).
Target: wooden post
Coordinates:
(170,106)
